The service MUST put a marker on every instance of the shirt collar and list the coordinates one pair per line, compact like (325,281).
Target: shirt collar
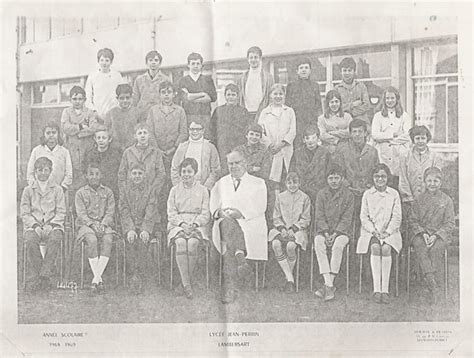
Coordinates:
(194,77)
(197,141)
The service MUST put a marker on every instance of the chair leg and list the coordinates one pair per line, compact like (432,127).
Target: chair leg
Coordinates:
(124,264)
(408,271)
(187,264)
(311,273)
(360,273)
(61,247)
(82,264)
(264,274)
(297,269)
(220,270)
(24,264)
(256,276)
(116,264)
(347,269)
(396,274)
(158,259)
(207,266)
(171,266)
(446,273)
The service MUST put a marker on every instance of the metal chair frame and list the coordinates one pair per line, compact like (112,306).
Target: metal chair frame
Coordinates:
(173,257)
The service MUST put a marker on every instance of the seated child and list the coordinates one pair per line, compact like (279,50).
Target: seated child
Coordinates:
(333,227)
(137,207)
(122,119)
(431,222)
(52,148)
(43,210)
(291,219)
(78,123)
(380,216)
(107,155)
(188,216)
(95,208)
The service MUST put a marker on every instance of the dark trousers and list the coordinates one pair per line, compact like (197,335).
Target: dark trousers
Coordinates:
(430,259)
(137,257)
(37,266)
(233,237)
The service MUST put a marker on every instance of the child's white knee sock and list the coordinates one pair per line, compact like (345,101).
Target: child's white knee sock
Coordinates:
(102,264)
(386,267)
(93,262)
(327,279)
(375,265)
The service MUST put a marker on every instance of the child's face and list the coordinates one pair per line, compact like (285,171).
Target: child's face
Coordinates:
(292,185)
(93,176)
(42,174)
(137,176)
(380,180)
(253,60)
(195,66)
(311,141)
(153,63)
(124,100)
(142,135)
(303,71)
(421,142)
(51,136)
(104,63)
(390,100)
(231,97)
(188,174)
(196,131)
(358,135)
(334,104)
(334,181)
(102,139)
(277,96)
(253,137)
(347,74)
(77,100)
(433,183)
(167,95)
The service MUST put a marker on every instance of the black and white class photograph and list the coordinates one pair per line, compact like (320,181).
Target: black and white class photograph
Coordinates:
(238,162)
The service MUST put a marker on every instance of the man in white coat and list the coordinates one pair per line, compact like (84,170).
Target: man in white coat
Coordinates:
(238,203)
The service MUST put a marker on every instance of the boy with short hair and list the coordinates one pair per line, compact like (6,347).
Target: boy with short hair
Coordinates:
(95,208)
(122,119)
(355,97)
(197,93)
(431,223)
(78,123)
(311,162)
(229,123)
(303,95)
(259,158)
(107,155)
(168,125)
(137,207)
(101,84)
(255,84)
(333,226)
(42,211)
(146,91)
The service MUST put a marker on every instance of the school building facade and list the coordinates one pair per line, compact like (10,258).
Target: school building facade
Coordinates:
(418,55)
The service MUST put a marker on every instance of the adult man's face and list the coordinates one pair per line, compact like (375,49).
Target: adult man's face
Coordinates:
(237,164)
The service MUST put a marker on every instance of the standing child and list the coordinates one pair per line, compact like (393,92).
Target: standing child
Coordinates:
(198,92)
(78,123)
(354,94)
(43,210)
(333,223)
(380,216)
(95,208)
(101,84)
(188,217)
(52,148)
(291,219)
(146,92)
(228,124)
(122,119)
(390,132)
(137,207)
(431,223)
(334,123)
(303,95)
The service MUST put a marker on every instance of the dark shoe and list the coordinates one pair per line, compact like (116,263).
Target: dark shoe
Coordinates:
(244,271)
(290,287)
(321,292)
(377,297)
(188,292)
(330,293)
(101,288)
(45,283)
(94,289)
(229,296)
(384,298)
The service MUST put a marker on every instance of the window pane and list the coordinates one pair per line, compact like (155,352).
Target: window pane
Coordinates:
(107,22)
(430,60)
(44,93)
(368,65)
(285,68)
(72,26)
(57,27)
(65,87)
(29,30)
(42,29)
(223,78)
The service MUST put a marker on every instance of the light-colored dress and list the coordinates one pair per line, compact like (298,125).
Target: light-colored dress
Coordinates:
(381,211)
(278,126)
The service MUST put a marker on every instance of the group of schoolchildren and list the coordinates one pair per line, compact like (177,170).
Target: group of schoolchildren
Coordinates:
(155,151)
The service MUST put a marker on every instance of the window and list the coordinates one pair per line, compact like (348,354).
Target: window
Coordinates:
(30,30)
(65,87)
(227,73)
(45,93)
(435,82)
(42,29)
